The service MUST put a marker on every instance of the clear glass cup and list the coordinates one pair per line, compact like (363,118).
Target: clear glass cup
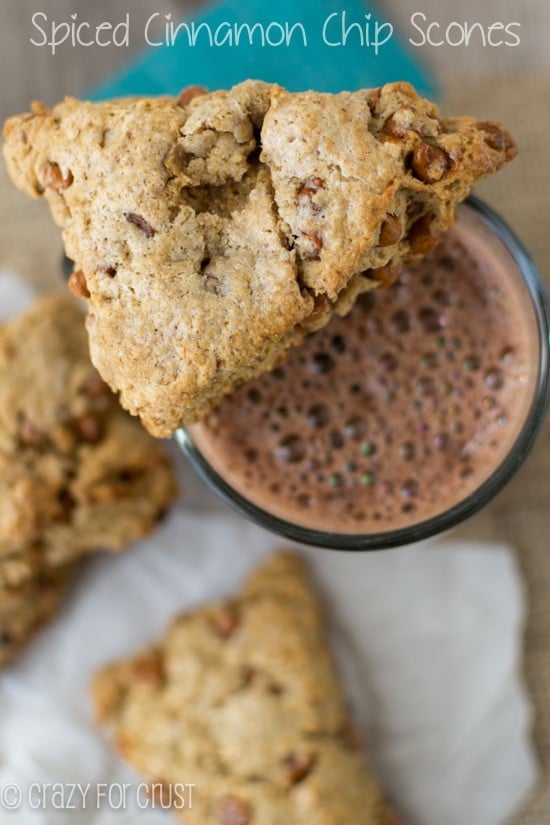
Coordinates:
(529,280)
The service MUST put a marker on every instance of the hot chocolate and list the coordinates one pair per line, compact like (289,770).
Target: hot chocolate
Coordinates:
(394,414)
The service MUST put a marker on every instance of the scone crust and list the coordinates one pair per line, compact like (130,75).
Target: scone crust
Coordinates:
(211,235)
(242,699)
(77,473)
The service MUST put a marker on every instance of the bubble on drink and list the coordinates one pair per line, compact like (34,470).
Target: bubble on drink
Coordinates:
(394,413)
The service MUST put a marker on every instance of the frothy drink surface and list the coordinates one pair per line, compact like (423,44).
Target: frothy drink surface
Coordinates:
(397,412)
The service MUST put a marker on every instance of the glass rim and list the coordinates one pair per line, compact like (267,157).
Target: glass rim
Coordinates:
(466,507)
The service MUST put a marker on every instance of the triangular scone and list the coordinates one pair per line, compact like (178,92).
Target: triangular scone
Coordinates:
(242,699)
(77,473)
(210,234)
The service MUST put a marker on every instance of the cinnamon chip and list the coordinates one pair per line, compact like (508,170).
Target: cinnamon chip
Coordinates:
(29,435)
(321,308)
(311,187)
(390,231)
(54,178)
(190,93)
(149,668)
(141,223)
(429,163)
(316,243)
(88,428)
(77,284)
(497,138)
(298,766)
(162,794)
(96,387)
(386,275)
(225,621)
(67,504)
(230,810)
(422,238)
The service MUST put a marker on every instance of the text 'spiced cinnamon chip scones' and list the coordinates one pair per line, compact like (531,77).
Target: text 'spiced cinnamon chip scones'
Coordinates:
(77,473)
(212,232)
(26,607)
(242,699)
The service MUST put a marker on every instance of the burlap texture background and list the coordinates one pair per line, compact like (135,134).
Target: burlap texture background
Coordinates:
(521,513)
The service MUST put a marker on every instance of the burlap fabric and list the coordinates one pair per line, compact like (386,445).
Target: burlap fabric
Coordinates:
(521,513)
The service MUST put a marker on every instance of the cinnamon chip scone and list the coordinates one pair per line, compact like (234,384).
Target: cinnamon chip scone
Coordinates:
(242,699)
(26,607)
(212,232)
(77,473)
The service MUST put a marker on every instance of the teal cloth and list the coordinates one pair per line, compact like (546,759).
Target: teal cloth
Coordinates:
(167,69)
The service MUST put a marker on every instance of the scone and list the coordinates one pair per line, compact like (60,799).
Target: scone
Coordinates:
(26,607)
(242,699)
(210,233)
(77,473)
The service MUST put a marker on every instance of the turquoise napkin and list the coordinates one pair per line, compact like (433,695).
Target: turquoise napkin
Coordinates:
(319,66)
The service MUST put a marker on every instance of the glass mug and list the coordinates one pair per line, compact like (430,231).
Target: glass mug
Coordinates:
(527,280)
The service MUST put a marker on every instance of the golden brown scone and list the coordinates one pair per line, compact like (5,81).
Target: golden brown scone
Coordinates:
(242,699)
(26,607)
(210,233)
(77,473)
